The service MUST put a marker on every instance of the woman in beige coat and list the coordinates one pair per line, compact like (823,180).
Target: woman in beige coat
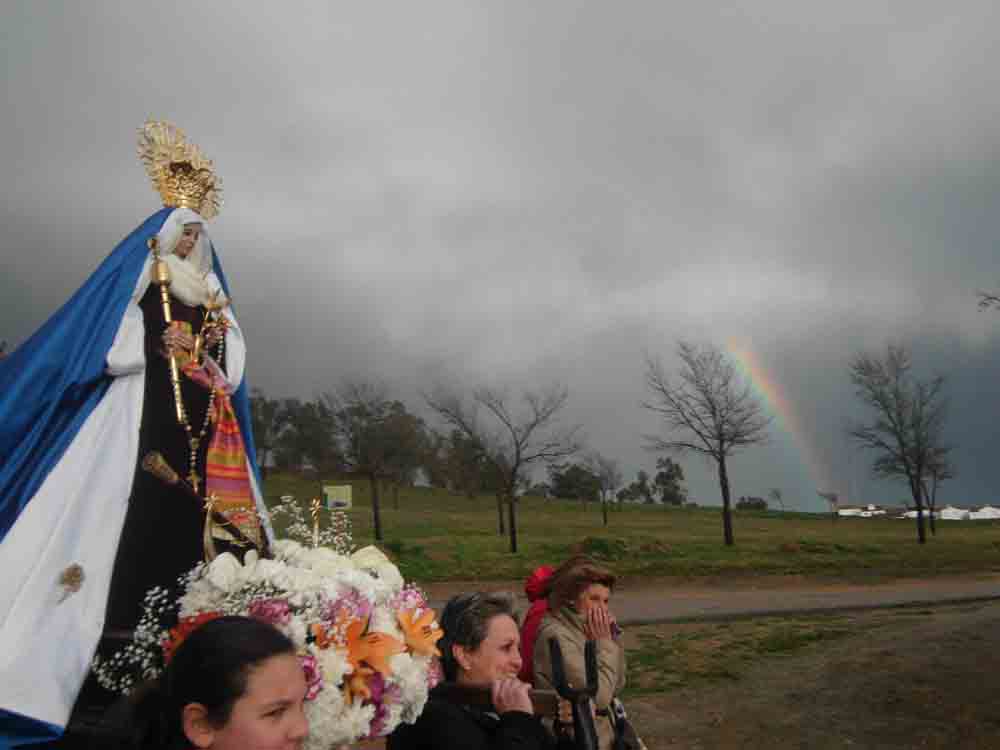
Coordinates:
(578,611)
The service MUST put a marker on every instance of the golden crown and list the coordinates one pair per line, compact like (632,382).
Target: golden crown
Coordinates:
(181,174)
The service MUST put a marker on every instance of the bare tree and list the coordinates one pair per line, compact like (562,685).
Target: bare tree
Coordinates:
(777,496)
(940,469)
(707,409)
(989,300)
(906,432)
(379,439)
(608,475)
(833,500)
(265,416)
(512,439)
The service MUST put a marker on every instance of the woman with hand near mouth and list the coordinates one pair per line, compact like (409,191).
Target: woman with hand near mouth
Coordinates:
(480,648)
(580,592)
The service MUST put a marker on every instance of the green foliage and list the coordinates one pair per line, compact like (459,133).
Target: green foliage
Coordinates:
(376,435)
(668,481)
(574,482)
(638,491)
(604,549)
(304,436)
(459,463)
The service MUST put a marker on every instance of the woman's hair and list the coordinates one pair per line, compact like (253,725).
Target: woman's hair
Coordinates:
(572,577)
(211,667)
(465,621)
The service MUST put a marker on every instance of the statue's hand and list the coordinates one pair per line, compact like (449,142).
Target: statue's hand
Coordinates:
(177,341)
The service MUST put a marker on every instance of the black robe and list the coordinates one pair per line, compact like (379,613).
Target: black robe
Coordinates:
(162,536)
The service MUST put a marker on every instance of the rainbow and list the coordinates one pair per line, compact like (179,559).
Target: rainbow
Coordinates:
(815,473)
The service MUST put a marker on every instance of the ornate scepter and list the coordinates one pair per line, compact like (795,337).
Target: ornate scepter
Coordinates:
(160,274)
(155,464)
(314,509)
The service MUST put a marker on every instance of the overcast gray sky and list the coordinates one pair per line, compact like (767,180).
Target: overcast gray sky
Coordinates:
(520,192)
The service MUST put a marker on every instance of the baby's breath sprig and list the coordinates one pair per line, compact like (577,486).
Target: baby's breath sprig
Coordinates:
(338,534)
(142,658)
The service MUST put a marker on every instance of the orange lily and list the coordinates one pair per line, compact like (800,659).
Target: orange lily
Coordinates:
(357,684)
(323,635)
(422,633)
(374,649)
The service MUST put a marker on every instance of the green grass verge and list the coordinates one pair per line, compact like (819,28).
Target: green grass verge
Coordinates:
(437,536)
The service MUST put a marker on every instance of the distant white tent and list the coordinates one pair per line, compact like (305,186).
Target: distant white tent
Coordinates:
(926,512)
(951,513)
(868,511)
(986,513)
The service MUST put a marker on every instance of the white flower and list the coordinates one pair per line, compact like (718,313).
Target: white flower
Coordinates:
(410,674)
(334,665)
(373,560)
(331,722)
(223,570)
(327,563)
(296,631)
(383,620)
(392,718)
(370,557)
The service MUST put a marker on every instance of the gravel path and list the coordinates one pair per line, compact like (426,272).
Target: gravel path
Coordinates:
(667,601)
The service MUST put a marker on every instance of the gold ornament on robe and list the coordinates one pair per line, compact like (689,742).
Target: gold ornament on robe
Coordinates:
(71,581)
(180,172)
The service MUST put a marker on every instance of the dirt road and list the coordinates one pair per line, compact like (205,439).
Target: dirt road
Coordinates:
(929,679)
(664,601)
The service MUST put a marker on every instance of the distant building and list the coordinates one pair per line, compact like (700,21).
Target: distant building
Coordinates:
(862,511)
(951,513)
(986,513)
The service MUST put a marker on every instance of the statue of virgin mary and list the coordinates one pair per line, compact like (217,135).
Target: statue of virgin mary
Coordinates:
(145,361)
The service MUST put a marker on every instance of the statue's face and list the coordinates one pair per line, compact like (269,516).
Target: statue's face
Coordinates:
(189,238)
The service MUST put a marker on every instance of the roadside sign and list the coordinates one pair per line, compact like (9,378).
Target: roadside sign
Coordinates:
(337,496)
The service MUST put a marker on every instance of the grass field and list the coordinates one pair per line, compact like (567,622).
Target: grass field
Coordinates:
(436,536)
(667,657)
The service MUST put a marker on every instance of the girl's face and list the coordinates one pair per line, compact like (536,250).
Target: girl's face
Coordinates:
(189,238)
(498,656)
(268,716)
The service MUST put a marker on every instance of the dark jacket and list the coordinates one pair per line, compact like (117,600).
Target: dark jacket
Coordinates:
(450,726)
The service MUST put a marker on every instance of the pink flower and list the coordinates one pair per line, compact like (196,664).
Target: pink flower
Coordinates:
(383,695)
(314,677)
(409,598)
(272,611)
(356,606)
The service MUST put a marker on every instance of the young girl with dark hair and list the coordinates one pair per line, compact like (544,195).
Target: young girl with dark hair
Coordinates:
(234,683)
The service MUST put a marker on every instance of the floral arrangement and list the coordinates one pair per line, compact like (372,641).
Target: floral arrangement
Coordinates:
(367,641)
